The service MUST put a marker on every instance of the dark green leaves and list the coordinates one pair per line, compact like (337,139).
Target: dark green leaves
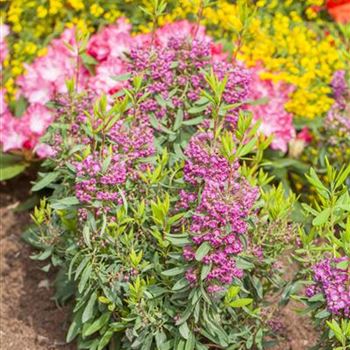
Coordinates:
(11,166)
(46,180)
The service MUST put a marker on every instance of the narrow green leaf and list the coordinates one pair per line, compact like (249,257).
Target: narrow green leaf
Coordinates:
(322,217)
(89,308)
(241,302)
(98,324)
(202,251)
(11,170)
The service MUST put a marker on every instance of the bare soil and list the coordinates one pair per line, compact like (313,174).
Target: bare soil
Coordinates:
(30,319)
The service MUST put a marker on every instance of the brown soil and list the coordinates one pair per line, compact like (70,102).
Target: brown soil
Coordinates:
(30,319)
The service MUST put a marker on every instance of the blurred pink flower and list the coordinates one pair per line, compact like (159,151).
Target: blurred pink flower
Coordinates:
(47,75)
(111,42)
(37,118)
(274,118)
(305,135)
(24,132)
(104,81)
(3,104)
(43,150)
(4,31)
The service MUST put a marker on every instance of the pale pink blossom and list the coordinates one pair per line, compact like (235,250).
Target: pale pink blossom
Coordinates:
(4,32)
(3,104)
(37,118)
(111,41)
(47,75)
(13,133)
(104,81)
(44,151)
(274,118)
(24,132)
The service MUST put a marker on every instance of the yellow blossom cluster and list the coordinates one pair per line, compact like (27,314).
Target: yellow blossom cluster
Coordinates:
(293,53)
(288,48)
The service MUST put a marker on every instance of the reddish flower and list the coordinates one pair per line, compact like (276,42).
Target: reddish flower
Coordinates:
(305,135)
(339,10)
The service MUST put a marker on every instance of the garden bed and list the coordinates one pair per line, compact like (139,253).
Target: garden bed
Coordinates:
(30,318)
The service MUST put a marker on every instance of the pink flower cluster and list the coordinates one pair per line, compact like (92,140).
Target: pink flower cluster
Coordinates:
(334,282)
(220,217)
(25,132)
(274,118)
(46,76)
(99,179)
(4,32)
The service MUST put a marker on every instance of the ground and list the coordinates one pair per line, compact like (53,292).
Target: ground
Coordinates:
(30,319)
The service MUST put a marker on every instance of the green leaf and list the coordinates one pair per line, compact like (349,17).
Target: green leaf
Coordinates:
(98,324)
(105,340)
(205,271)
(202,251)
(65,203)
(322,217)
(194,121)
(317,297)
(180,284)
(323,314)
(74,328)
(247,148)
(122,77)
(191,342)
(87,59)
(343,265)
(84,278)
(20,106)
(7,159)
(9,171)
(184,330)
(89,309)
(178,240)
(179,119)
(233,291)
(173,272)
(241,302)
(314,180)
(80,267)
(46,180)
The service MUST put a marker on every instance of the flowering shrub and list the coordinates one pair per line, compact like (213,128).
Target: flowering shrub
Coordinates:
(96,63)
(156,214)
(325,253)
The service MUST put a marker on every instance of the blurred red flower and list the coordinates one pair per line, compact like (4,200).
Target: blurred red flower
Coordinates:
(339,10)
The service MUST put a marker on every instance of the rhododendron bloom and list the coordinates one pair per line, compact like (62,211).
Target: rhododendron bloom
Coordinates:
(111,42)
(13,133)
(4,31)
(24,132)
(274,118)
(104,81)
(3,104)
(47,75)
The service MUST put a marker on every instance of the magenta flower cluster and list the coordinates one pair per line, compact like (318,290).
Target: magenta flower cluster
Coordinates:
(99,176)
(220,217)
(334,282)
(175,72)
